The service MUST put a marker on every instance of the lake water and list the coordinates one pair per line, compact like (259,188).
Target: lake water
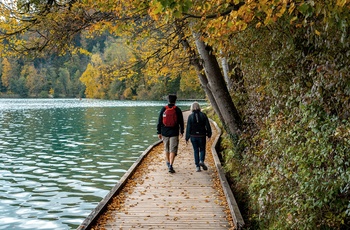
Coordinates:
(60,157)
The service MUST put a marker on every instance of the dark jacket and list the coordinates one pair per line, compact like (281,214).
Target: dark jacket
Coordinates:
(198,125)
(171,131)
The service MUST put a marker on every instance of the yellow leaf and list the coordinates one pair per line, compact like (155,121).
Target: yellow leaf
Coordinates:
(291,8)
(341,3)
(283,9)
(293,19)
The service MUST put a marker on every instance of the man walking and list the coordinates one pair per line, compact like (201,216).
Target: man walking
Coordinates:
(170,126)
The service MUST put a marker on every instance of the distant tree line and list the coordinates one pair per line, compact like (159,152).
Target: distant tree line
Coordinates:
(77,74)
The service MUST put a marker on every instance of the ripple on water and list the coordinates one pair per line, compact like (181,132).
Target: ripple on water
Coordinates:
(118,170)
(82,176)
(59,158)
(40,171)
(39,224)
(108,150)
(45,189)
(6,221)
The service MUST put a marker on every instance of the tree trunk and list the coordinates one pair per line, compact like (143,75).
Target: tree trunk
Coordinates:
(226,70)
(217,86)
(199,69)
(204,82)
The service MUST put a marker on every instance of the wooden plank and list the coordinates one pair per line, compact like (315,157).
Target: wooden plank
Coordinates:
(150,197)
(101,207)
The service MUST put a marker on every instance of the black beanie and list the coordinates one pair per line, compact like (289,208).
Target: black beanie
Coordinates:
(172,98)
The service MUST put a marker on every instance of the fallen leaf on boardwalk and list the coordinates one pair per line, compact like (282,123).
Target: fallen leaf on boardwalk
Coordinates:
(151,163)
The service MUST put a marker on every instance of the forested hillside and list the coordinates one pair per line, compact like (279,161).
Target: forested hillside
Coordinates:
(82,73)
(276,74)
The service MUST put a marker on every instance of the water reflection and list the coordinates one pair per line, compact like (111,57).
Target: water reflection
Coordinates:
(59,158)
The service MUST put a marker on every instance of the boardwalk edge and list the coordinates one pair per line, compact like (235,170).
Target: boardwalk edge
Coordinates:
(102,205)
(235,212)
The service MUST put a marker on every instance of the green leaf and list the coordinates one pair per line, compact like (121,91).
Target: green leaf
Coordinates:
(306,9)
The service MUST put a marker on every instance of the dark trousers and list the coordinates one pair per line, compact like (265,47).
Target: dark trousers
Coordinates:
(198,144)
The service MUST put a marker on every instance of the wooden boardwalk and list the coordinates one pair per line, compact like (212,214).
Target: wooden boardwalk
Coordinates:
(149,197)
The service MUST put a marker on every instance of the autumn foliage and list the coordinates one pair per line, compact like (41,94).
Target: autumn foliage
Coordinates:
(288,77)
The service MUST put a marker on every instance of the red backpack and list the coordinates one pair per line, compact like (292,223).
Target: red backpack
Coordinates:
(169,116)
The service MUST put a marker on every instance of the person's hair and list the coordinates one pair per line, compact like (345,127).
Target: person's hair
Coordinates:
(172,98)
(195,106)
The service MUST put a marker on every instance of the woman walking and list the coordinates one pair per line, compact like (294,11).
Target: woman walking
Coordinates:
(198,129)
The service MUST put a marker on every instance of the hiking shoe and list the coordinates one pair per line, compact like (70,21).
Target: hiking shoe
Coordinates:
(168,164)
(171,170)
(203,166)
(198,169)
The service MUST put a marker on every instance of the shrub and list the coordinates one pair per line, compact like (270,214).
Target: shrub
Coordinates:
(300,171)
